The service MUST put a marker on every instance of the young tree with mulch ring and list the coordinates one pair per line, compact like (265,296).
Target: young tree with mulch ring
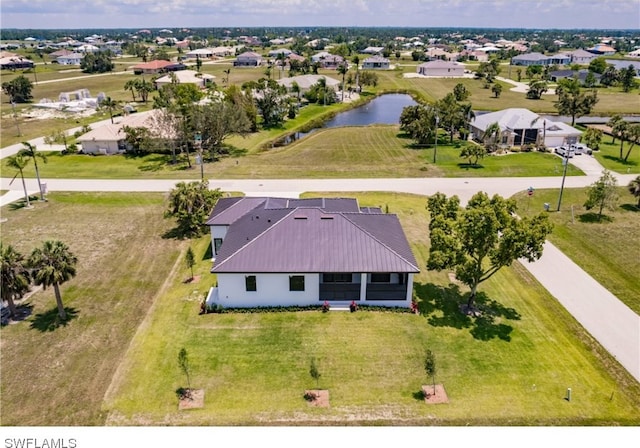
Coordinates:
(190,259)
(430,367)
(183,362)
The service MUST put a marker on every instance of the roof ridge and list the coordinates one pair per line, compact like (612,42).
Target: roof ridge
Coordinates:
(378,240)
(256,238)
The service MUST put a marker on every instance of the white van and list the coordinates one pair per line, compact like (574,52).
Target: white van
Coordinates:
(565,151)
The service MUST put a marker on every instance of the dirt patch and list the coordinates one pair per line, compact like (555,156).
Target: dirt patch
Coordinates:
(440,395)
(194,279)
(317,398)
(193,399)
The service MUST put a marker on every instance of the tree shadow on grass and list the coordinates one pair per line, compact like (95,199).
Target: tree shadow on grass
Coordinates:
(20,204)
(621,161)
(590,218)
(155,163)
(442,306)
(419,395)
(22,313)
(50,320)
(470,166)
(630,208)
(208,254)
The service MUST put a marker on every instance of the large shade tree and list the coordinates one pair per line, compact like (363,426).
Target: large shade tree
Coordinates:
(15,276)
(480,239)
(574,101)
(52,265)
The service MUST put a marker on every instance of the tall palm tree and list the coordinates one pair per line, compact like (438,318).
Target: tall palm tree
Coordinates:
(53,264)
(356,61)
(132,85)
(30,150)
(343,69)
(15,276)
(634,188)
(18,162)
(110,105)
(491,134)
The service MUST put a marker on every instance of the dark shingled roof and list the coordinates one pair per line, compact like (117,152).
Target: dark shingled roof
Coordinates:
(319,237)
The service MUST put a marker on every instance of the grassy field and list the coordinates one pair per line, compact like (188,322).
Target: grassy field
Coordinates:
(58,376)
(608,250)
(331,153)
(609,157)
(514,367)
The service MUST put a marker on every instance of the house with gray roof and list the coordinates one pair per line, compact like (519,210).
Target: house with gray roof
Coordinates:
(248,59)
(520,127)
(541,59)
(376,63)
(280,252)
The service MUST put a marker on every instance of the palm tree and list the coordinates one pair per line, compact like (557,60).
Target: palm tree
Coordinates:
(110,105)
(491,134)
(620,129)
(30,150)
(343,69)
(15,276)
(226,78)
(144,88)
(18,162)
(356,61)
(132,85)
(634,189)
(53,264)
(613,121)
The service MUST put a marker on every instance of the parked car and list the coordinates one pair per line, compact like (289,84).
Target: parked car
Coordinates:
(565,151)
(579,148)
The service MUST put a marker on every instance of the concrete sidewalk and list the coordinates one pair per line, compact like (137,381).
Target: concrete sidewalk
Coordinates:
(612,323)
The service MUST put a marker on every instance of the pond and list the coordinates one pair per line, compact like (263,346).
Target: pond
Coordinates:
(385,109)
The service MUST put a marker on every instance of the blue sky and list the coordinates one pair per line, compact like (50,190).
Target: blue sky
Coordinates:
(562,14)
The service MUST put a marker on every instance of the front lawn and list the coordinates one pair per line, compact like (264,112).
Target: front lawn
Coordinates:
(510,369)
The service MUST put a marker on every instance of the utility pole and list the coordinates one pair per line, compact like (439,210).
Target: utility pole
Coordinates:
(565,162)
(200,159)
(435,149)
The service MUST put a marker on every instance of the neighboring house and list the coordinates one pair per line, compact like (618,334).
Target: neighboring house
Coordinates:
(602,49)
(373,50)
(201,80)
(447,69)
(621,63)
(376,63)
(331,61)
(581,57)
(279,252)
(248,59)
(634,53)
(541,59)
(522,127)
(70,59)
(580,75)
(15,62)
(306,81)
(156,67)
(59,53)
(109,138)
(274,53)
(87,48)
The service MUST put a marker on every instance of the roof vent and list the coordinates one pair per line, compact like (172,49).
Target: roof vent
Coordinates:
(300,217)
(326,217)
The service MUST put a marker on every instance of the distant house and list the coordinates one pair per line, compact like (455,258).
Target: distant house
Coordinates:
(541,59)
(278,51)
(581,57)
(58,53)
(580,75)
(306,81)
(602,49)
(70,59)
(156,67)
(634,54)
(248,59)
(441,69)
(331,61)
(278,252)
(15,62)
(201,80)
(376,63)
(373,50)
(621,63)
(520,127)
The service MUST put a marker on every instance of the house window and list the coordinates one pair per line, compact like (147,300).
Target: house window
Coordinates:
(381,278)
(217,242)
(296,283)
(250,283)
(336,278)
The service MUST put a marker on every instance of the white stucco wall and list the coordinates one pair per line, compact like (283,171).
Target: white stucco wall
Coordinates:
(272,290)
(95,147)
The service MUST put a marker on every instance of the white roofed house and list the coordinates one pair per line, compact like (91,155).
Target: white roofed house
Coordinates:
(248,59)
(439,68)
(283,252)
(519,127)
(306,81)
(376,63)
(201,80)
(70,59)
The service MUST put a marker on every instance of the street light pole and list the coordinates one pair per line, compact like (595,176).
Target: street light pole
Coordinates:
(565,162)
(198,145)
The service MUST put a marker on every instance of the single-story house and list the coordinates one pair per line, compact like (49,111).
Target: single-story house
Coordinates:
(541,59)
(158,66)
(581,57)
(634,54)
(15,62)
(58,53)
(279,252)
(619,64)
(602,49)
(109,138)
(580,75)
(439,68)
(373,50)
(306,81)
(70,59)
(520,127)
(376,63)
(87,48)
(274,53)
(201,80)
(248,59)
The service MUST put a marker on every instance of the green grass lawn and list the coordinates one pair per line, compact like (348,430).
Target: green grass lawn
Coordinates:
(351,152)
(607,250)
(609,157)
(58,376)
(512,369)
